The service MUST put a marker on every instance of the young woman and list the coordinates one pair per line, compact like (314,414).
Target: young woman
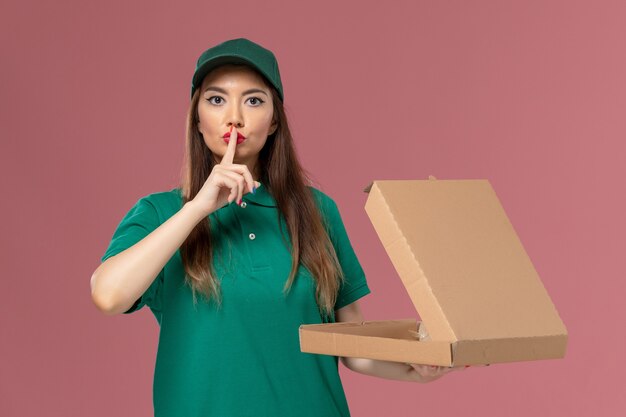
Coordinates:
(234,260)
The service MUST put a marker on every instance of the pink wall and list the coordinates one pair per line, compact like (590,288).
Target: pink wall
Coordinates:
(530,95)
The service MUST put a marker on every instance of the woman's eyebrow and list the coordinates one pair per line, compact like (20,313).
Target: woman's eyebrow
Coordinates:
(221,90)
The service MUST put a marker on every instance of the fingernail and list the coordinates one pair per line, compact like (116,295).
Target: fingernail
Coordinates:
(239,202)
(254,189)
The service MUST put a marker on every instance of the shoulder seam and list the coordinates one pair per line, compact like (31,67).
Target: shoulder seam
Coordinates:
(150,198)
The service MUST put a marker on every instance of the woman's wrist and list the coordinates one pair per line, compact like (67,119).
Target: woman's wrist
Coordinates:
(198,213)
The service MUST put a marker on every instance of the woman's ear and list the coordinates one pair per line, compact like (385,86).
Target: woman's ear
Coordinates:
(273,128)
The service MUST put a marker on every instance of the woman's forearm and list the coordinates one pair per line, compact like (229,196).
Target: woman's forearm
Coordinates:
(383,369)
(122,279)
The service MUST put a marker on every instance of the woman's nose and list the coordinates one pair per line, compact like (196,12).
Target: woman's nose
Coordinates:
(235,118)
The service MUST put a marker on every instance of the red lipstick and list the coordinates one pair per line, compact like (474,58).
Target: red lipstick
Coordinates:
(240,137)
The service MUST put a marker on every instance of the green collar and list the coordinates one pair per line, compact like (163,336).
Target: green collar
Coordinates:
(261,197)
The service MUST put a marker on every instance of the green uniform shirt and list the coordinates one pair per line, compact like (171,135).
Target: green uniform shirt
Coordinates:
(243,359)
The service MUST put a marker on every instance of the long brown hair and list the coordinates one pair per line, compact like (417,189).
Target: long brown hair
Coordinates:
(287,182)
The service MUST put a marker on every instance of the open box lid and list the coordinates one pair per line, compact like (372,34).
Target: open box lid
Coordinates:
(460,260)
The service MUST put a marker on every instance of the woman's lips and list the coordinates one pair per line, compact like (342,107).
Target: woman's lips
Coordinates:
(240,137)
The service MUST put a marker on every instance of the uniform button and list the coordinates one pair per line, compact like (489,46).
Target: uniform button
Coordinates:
(252,236)
(243,204)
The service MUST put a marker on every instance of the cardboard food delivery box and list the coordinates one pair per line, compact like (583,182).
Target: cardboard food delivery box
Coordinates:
(465,269)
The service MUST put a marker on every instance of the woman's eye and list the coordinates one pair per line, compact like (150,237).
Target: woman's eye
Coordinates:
(255,101)
(212,101)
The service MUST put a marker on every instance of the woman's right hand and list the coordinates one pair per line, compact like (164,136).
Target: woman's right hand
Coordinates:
(227,182)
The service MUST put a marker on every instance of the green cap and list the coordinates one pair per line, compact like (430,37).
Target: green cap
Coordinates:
(238,51)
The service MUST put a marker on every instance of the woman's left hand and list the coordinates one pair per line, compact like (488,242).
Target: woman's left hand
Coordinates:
(428,373)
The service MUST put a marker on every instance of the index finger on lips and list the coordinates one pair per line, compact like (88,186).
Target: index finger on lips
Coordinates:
(229,156)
